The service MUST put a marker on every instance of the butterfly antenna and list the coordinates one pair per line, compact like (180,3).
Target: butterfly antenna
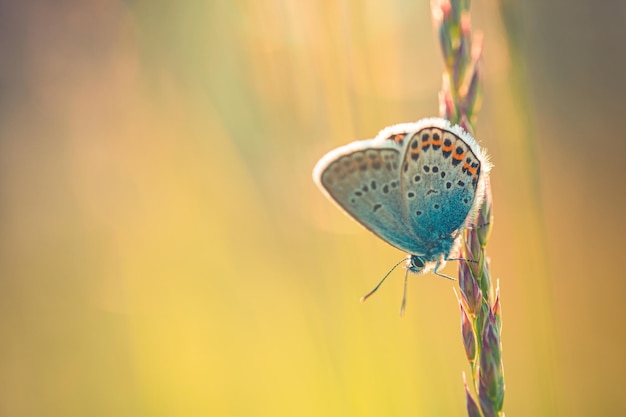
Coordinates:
(403,306)
(366,296)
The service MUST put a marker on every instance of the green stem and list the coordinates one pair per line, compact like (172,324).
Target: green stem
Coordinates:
(480,307)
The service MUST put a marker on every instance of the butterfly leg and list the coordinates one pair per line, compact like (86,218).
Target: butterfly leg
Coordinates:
(463,259)
(477,226)
(436,272)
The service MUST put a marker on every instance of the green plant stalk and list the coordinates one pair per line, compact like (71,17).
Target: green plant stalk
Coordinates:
(481,320)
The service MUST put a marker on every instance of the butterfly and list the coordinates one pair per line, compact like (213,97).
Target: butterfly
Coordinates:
(414,186)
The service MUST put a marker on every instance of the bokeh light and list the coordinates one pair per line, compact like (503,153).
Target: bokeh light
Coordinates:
(164,251)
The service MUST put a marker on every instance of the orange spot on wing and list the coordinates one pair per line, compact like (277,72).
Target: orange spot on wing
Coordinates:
(397,138)
(471,169)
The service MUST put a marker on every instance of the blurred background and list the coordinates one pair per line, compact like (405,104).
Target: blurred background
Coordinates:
(164,251)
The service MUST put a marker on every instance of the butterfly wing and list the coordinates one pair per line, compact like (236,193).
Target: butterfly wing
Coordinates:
(363,178)
(414,185)
(442,173)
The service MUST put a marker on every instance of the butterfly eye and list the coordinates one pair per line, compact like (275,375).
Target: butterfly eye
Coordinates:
(417,263)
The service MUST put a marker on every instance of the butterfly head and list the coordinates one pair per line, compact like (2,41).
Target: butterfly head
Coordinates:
(419,264)
(416,264)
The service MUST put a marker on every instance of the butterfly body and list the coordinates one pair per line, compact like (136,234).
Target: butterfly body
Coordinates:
(415,185)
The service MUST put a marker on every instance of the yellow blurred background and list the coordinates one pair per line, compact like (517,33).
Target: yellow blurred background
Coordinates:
(164,251)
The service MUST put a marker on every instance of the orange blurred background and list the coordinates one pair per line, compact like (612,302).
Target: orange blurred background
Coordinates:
(164,251)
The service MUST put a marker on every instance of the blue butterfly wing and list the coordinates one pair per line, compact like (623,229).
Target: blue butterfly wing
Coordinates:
(363,178)
(440,178)
(414,186)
